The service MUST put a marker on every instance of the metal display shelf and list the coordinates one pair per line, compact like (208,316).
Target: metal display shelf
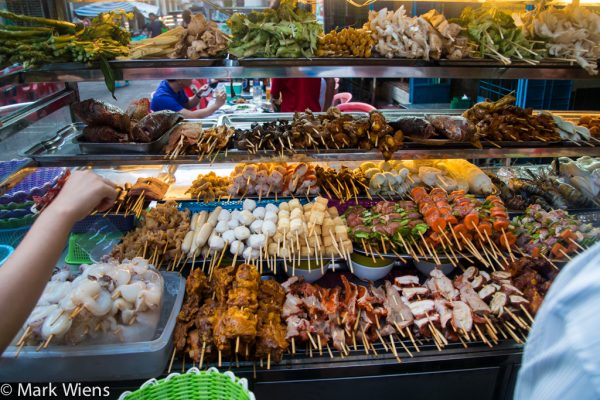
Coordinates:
(298,68)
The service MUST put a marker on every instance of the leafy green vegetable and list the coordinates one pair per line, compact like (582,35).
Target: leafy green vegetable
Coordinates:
(285,32)
(495,35)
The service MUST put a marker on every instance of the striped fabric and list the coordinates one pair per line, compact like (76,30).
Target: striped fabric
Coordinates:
(562,354)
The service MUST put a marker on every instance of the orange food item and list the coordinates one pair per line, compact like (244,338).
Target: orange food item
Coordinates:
(558,249)
(500,224)
(485,227)
(471,221)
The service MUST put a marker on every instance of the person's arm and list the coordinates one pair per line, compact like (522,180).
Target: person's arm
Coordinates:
(329,93)
(25,274)
(205,112)
(276,90)
(194,100)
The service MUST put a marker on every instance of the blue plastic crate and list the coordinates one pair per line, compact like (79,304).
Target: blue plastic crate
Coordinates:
(429,91)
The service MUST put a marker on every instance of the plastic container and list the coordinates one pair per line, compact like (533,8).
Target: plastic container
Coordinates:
(77,253)
(12,237)
(106,362)
(194,385)
(5,252)
(154,147)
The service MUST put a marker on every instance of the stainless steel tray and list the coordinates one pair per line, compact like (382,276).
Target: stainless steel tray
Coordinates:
(245,121)
(154,147)
(64,149)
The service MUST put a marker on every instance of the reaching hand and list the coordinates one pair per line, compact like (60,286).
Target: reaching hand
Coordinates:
(83,193)
(220,99)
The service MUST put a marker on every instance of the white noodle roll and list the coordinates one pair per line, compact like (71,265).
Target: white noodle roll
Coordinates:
(284,206)
(193,221)
(235,214)
(213,218)
(272,249)
(222,226)
(201,236)
(246,218)
(269,228)
(224,215)
(256,226)
(271,208)
(259,212)
(249,205)
(236,247)
(257,241)
(296,213)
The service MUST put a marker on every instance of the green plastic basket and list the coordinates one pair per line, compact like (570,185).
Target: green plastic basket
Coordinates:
(193,385)
(76,254)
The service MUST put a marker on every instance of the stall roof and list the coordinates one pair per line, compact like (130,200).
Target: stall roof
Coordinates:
(94,9)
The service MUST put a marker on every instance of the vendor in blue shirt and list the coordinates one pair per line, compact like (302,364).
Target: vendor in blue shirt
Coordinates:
(170,96)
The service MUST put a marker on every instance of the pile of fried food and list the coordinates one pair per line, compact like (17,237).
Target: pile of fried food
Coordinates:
(429,36)
(592,123)
(109,124)
(330,131)
(209,187)
(190,138)
(202,39)
(348,42)
(158,237)
(503,121)
(234,315)
(107,303)
(257,179)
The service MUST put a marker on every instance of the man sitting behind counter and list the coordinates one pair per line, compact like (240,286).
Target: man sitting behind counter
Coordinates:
(170,96)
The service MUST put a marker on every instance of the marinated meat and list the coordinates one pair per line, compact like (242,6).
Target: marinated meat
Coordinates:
(102,134)
(98,113)
(486,291)
(498,302)
(462,319)
(444,310)
(411,292)
(138,109)
(443,285)
(421,307)
(469,296)
(153,125)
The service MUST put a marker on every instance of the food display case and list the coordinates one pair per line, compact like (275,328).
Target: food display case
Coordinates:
(475,368)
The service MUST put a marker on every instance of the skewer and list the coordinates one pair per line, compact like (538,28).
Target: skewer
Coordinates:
(512,257)
(549,261)
(320,346)
(47,342)
(172,359)
(481,335)
(565,254)
(518,320)
(293,345)
(202,355)
(577,244)
(526,313)
(24,335)
(394,350)
(329,350)
(381,340)
(412,339)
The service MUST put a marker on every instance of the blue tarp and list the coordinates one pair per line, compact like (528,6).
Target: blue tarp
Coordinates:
(94,9)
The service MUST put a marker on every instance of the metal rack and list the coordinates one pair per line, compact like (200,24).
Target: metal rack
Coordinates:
(302,68)
(478,372)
